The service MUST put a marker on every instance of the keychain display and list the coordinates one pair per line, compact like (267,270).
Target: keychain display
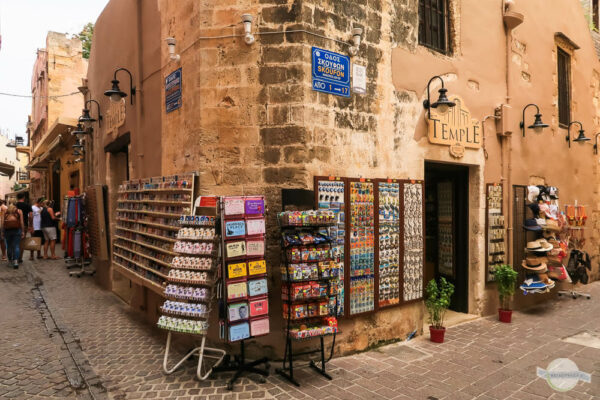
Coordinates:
(389,243)
(413,241)
(330,196)
(362,247)
(495,230)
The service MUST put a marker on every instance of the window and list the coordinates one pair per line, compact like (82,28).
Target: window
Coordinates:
(564,87)
(433,25)
(595,13)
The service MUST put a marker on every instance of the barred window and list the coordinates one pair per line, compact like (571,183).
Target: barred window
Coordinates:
(564,87)
(433,25)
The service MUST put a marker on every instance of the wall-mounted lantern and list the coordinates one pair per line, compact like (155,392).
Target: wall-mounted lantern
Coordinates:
(581,138)
(537,126)
(442,103)
(86,119)
(115,93)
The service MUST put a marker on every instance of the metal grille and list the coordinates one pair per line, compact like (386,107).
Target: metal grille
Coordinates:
(433,24)
(519,234)
(564,88)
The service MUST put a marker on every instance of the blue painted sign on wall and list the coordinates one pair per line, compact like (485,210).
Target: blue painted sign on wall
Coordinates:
(173,90)
(330,72)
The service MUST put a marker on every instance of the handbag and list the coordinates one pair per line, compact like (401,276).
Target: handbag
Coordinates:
(32,243)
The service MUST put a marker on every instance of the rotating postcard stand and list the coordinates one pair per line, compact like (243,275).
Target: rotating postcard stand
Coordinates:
(310,297)
(190,289)
(243,294)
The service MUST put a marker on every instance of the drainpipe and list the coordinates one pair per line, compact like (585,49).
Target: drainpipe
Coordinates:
(511,20)
(137,137)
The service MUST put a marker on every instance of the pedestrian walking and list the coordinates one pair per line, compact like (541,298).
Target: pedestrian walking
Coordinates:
(25,208)
(13,233)
(3,209)
(48,219)
(35,218)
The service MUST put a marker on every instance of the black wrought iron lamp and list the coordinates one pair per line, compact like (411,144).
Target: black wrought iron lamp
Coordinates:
(442,103)
(596,144)
(581,138)
(115,93)
(537,126)
(80,131)
(86,118)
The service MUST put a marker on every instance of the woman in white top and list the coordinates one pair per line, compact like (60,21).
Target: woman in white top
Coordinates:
(36,226)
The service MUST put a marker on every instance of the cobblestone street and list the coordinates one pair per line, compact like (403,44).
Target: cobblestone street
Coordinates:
(67,338)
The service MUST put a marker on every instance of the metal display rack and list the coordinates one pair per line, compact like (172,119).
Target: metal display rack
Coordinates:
(243,295)
(313,304)
(148,212)
(398,248)
(191,287)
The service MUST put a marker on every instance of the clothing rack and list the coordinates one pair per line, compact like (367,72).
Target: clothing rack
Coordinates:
(573,293)
(75,222)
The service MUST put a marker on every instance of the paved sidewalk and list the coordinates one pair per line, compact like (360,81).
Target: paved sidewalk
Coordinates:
(482,359)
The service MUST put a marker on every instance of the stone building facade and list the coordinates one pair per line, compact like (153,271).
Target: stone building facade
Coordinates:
(58,70)
(250,122)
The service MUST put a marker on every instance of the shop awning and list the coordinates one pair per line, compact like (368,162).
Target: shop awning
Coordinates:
(61,126)
(7,169)
(41,162)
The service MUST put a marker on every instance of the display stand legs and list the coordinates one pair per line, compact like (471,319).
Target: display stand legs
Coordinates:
(240,366)
(81,263)
(202,352)
(573,293)
(287,371)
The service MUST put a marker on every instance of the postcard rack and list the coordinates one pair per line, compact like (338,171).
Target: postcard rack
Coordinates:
(243,297)
(309,290)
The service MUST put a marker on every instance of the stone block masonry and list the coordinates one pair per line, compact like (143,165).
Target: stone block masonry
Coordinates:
(251,123)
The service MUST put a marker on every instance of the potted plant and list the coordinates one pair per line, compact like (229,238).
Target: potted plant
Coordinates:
(506,278)
(437,303)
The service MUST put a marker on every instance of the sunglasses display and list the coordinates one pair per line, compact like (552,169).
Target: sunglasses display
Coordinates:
(495,230)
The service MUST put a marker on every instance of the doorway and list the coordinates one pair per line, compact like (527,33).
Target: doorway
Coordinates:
(446,228)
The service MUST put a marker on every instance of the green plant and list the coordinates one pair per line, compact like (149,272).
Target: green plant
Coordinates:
(506,278)
(438,301)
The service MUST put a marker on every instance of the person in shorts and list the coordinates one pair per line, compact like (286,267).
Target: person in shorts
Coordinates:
(49,230)
(35,218)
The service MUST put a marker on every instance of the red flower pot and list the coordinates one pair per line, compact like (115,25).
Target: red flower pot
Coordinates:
(504,315)
(437,335)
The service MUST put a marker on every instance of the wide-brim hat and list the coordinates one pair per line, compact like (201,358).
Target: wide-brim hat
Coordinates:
(538,246)
(552,225)
(534,266)
(547,246)
(532,193)
(553,192)
(532,225)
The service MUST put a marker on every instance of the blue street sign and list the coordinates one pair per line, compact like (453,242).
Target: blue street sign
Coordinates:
(330,72)
(173,90)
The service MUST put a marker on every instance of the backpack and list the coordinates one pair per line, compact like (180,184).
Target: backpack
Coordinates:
(11,221)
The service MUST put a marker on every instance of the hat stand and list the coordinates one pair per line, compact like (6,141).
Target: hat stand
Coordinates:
(573,293)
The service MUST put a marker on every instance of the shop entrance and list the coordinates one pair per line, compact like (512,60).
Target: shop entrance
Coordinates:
(446,228)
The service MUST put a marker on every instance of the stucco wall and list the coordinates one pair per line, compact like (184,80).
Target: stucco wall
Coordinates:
(251,124)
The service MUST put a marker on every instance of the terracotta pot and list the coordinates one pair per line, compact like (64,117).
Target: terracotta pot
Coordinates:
(437,335)
(504,315)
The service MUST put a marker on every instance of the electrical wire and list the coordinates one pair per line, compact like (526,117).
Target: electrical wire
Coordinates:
(41,97)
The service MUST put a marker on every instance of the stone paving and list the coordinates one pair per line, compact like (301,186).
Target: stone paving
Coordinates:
(119,353)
